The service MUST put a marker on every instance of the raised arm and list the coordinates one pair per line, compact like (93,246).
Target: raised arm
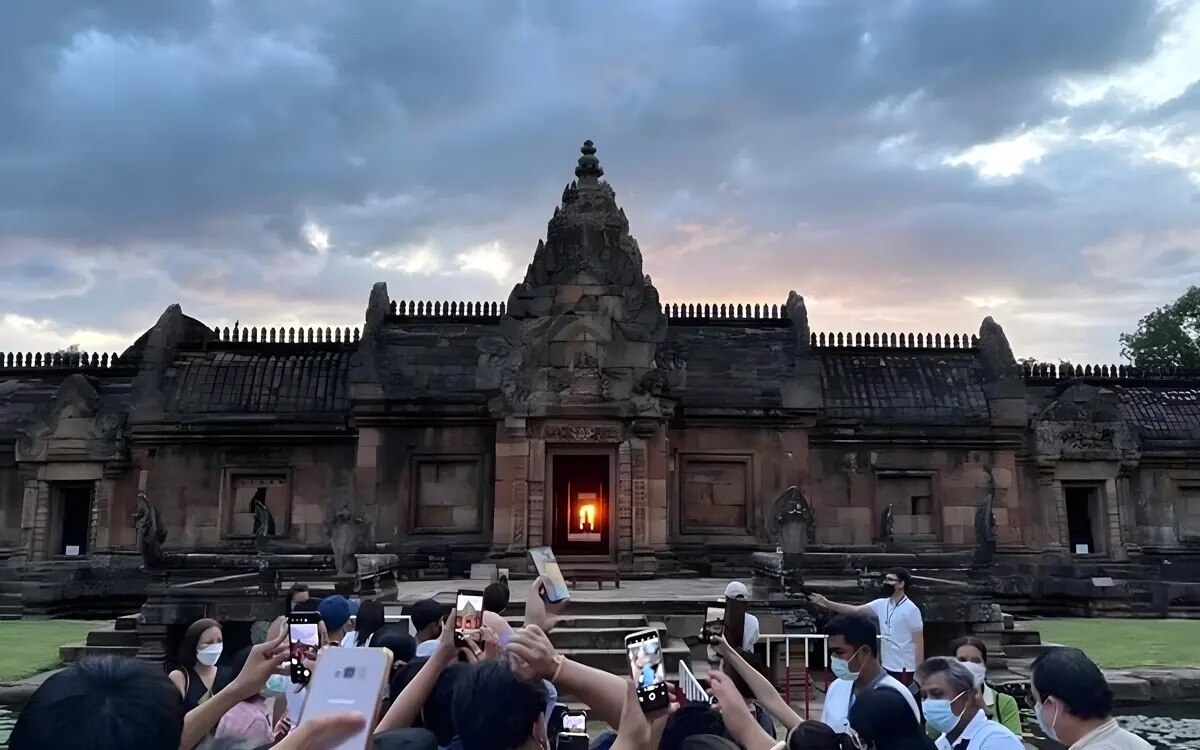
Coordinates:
(265,660)
(844,609)
(407,706)
(764,692)
(538,611)
(741,725)
(604,693)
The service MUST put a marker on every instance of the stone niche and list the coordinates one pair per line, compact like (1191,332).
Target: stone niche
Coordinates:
(446,494)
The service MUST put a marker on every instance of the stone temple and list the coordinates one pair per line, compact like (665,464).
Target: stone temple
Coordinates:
(587,414)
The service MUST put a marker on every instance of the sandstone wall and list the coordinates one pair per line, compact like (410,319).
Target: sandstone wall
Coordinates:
(11,498)
(194,487)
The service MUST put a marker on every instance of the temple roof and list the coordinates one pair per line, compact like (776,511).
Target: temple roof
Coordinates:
(901,387)
(1167,413)
(431,362)
(24,397)
(732,367)
(226,382)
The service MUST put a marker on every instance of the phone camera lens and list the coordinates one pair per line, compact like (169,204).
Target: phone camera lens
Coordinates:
(348,673)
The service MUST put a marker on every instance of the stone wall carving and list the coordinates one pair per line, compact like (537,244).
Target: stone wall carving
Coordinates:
(582,433)
(77,427)
(791,521)
(1083,423)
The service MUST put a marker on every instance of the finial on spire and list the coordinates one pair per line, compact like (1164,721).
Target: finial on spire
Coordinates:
(589,169)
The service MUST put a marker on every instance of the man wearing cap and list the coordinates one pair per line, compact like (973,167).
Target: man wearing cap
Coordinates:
(738,590)
(335,612)
(426,617)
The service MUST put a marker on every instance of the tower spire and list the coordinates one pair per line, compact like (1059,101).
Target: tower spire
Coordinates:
(589,169)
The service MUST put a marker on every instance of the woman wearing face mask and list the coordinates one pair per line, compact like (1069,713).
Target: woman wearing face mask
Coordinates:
(997,706)
(199,652)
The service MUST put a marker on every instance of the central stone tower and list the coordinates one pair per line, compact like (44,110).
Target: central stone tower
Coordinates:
(582,330)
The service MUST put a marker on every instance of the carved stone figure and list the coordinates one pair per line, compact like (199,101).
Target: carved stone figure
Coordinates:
(985,521)
(151,532)
(76,427)
(348,533)
(792,523)
(264,521)
(887,527)
(1084,422)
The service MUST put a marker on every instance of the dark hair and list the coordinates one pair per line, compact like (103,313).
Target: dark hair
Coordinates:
(813,735)
(397,640)
(495,598)
(884,718)
(186,655)
(368,621)
(1067,674)
(494,709)
(974,643)
(308,605)
(110,703)
(858,630)
(297,588)
(690,720)
(230,671)
(424,613)
(752,659)
(901,573)
(437,715)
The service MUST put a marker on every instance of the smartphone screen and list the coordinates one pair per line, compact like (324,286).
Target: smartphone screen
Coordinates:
(649,673)
(349,679)
(574,722)
(547,565)
(735,622)
(468,616)
(304,638)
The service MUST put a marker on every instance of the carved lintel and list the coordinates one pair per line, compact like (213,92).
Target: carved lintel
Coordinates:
(577,433)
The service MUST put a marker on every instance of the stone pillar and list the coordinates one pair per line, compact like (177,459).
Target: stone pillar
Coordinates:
(366,479)
(32,504)
(1054,510)
(1115,493)
(510,517)
(625,505)
(658,490)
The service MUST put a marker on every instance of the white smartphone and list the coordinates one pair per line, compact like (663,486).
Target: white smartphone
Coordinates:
(547,565)
(644,650)
(349,679)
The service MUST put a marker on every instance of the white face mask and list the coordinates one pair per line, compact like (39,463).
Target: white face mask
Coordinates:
(209,655)
(978,671)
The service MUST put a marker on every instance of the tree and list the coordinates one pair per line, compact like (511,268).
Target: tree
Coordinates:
(1168,336)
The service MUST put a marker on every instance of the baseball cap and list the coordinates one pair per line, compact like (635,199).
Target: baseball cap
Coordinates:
(425,612)
(335,611)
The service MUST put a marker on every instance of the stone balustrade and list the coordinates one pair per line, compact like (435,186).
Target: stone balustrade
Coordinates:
(1068,371)
(57,360)
(480,311)
(317,335)
(927,341)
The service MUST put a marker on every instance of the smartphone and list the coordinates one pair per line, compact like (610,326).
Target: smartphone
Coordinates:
(547,565)
(644,650)
(573,741)
(574,722)
(735,622)
(468,617)
(304,639)
(714,625)
(349,679)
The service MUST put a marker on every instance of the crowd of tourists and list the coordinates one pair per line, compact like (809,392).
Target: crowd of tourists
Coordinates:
(500,691)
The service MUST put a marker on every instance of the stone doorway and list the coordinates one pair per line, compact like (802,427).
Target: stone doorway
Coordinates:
(1085,519)
(72,526)
(581,516)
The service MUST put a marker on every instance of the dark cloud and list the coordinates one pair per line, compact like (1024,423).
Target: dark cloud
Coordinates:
(270,160)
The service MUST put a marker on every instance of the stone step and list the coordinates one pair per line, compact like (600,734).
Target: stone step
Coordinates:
(1020,638)
(604,638)
(126,622)
(113,637)
(629,623)
(11,587)
(615,660)
(1028,650)
(73,652)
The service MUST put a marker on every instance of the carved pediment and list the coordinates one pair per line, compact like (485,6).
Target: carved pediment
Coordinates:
(1083,423)
(76,427)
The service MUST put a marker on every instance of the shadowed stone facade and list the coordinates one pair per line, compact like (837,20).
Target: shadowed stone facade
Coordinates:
(586,414)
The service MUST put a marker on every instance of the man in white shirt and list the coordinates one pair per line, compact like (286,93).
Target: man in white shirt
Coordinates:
(900,624)
(854,659)
(954,707)
(1073,703)
(738,590)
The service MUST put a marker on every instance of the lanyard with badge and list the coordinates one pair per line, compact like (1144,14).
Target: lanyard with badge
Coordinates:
(891,611)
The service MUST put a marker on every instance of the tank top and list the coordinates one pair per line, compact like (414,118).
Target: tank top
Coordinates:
(197,692)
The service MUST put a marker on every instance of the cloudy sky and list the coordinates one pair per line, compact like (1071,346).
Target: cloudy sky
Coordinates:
(905,165)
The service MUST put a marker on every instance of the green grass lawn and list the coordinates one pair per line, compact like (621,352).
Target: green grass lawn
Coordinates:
(31,646)
(1115,644)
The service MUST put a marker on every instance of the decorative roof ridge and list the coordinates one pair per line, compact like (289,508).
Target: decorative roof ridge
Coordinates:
(73,361)
(1048,372)
(285,335)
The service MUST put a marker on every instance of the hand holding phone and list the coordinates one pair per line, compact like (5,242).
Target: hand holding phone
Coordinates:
(304,640)
(547,567)
(468,616)
(644,650)
(347,682)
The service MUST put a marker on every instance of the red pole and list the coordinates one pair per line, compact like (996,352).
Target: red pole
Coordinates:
(807,692)
(787,675)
